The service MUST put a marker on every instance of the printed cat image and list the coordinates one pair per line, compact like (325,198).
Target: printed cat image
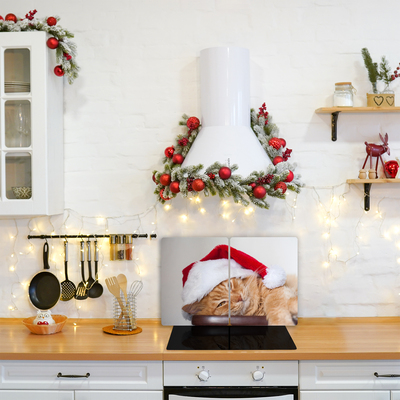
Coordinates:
(250,297)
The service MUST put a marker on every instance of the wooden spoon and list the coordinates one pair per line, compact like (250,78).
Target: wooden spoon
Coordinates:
(115,289)
(123,284)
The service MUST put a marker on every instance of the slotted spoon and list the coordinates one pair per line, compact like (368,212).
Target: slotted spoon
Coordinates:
(68,288)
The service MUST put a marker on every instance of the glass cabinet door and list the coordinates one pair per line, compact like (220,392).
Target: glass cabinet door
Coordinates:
(17,127)
(31,126)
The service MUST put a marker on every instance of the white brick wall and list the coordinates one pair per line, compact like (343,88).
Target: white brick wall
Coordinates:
(139,74)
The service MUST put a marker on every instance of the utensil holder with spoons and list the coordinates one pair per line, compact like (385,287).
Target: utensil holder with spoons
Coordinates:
(125,319)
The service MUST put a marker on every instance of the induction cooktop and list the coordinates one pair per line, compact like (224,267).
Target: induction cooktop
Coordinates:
(230,338)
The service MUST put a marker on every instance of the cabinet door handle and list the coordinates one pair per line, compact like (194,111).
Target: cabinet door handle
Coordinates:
(60,375)
(386,376)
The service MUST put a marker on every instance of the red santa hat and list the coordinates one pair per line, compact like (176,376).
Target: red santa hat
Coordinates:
(200,277)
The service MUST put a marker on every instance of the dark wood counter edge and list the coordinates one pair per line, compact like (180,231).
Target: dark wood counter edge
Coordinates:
(317,352)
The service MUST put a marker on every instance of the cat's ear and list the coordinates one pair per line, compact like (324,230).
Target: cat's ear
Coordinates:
(193,308)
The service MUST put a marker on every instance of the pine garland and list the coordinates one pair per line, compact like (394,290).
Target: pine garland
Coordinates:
(65,47)
(237,187)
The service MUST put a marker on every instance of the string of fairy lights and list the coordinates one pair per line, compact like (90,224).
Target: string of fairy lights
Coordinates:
(328,216)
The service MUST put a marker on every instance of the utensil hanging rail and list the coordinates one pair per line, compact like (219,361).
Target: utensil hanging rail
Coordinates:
(134,236)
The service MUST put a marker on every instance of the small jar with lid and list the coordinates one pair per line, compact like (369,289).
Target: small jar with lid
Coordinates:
(113,247)
(128,247)
(120,247)
(343,95)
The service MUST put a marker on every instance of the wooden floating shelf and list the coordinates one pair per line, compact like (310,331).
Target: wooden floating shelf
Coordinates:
(335,111)
(367,187)
(330,110)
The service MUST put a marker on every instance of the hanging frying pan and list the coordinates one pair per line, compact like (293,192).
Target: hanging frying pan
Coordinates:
(45,288)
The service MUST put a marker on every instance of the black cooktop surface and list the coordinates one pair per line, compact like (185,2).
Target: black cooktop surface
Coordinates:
(230,338)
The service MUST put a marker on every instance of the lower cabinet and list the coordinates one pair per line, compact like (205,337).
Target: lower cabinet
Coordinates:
(344,395)
(345,380)
(35,395)
(83,380)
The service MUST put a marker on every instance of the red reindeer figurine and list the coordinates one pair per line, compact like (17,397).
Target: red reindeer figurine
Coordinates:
(376,150)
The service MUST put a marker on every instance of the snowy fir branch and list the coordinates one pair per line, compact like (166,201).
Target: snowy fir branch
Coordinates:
(219,179)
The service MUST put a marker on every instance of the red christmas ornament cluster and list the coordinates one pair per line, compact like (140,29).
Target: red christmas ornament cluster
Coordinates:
(391,168)
(52,43)
(58,70)
(169,151)
(282,186)
(259,192)
(189,184)
(31,15)
(177,159)
(225,173)
(11,17)
(193,123)
(174,187)
(51,21)
(211,176)
(162,195)
(67,56)
(275,143)
(165,179)
(290,177)
(198,185)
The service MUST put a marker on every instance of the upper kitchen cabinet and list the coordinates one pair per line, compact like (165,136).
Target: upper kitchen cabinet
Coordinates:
(31,127)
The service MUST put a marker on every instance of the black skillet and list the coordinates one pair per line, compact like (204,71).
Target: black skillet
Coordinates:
(44,289)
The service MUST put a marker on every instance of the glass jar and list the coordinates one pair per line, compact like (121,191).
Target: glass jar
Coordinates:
(113,247)
(120,247)
(343,95)
(128,247)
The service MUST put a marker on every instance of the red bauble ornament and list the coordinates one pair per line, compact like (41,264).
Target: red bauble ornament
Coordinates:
(11,17)
(169,151)
(52,43)
(193,123)
(253,185)
(177,159)
(174,187)
(275,143)
(58,70)
(259,192)
(154,179)
(1,18)
(283,142)
(198,185)
(289,177)
(165,179)
(391,168)
(51,21)
(281,185)
(67,56)
(164,198)
(225,173)
(277,160)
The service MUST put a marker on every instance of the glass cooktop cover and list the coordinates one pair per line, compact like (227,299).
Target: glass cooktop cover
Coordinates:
(230,338)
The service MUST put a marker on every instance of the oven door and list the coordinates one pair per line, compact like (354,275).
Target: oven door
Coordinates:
(230,393)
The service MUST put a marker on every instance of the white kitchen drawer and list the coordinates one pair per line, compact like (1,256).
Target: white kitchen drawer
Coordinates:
(234,373)
(345,395)
(348,375)
(118,395)
(35,395)
(395,395)
(121,375)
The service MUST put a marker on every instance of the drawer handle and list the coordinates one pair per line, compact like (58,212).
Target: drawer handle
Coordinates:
(60,375)
(386,376)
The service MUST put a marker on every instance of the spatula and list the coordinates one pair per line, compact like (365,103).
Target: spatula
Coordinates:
(115,290)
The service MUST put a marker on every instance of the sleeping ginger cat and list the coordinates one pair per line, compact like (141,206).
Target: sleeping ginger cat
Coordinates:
(249,296)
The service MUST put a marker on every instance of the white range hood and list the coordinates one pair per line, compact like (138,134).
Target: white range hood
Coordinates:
(225,106)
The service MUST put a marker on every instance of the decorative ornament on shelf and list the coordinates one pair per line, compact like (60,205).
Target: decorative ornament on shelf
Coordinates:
(375,150)
(381,72)
(60,40)
(219,178)
(391,168)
